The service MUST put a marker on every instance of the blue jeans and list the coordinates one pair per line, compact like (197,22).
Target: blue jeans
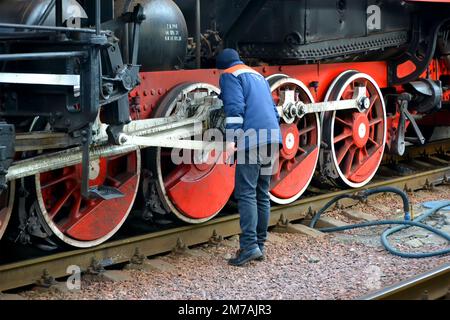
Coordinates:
(252,183)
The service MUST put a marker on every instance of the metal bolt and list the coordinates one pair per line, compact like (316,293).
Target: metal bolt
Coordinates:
(180,247)
(123,139)
(137,257)
(46,280)
(282,222)
(215,238)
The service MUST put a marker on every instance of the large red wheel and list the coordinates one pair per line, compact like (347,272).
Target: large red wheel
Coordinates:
(301,143)
(82,222)
(356,139)
(195,193)
(6,205)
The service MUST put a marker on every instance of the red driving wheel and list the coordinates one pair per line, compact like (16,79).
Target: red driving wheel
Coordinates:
(195,192)
(356,139)
(85,222)
(301,143)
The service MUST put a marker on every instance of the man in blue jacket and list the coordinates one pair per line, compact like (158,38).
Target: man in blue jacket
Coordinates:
(252,122)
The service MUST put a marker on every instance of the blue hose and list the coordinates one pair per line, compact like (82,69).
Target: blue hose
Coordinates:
(363,195)
(403,224)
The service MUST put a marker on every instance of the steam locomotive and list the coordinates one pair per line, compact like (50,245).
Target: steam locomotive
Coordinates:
(95,96)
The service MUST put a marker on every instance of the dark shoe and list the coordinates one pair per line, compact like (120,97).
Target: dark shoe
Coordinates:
(244,256)
(263,257)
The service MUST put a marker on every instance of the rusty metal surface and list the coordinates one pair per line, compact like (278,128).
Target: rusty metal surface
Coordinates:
(28,272)
(431,285)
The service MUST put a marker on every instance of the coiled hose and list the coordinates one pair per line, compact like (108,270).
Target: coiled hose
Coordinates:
(403,224)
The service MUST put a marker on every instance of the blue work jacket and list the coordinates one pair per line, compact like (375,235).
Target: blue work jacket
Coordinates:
(251,116)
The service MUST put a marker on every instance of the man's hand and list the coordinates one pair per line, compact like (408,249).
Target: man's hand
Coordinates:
(230,149)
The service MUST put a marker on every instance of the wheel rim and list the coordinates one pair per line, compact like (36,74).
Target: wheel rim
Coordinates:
(6,205)
(84,222)
(195,193)
(357,139)
(301,143)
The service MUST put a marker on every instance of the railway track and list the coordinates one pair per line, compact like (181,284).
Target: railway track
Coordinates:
(136,249)
(432,285)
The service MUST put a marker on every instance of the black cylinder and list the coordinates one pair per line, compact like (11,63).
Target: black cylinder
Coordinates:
(38,12)
(163,34)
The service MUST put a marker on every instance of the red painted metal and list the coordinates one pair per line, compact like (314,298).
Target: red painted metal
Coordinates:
(155,85)
(200,194)
(89,219)
(358,137)
(299,154)
(200,189)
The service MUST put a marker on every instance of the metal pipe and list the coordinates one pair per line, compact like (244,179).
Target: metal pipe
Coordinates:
(168,133)
(97,17)
(47,28)
(62,159)
(198,35)
(126,43)
(58,13)
(41,55)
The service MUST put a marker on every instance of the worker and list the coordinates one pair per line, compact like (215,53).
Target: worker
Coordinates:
(252,127)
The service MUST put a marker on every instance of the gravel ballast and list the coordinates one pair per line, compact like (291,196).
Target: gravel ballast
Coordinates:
(337,266)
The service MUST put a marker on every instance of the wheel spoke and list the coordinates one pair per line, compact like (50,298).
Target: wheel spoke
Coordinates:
(372,99)
(362,163)
(74,214)
(57,207)
(343,150)
(360,155)
(58,180)
(113,181)
(349,160)
(344,122)
(375,121)
(306,130)
(301,149)
(374,142)
(344,135)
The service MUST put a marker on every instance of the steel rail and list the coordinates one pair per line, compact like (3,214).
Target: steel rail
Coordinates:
(27,272)
(431,285)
